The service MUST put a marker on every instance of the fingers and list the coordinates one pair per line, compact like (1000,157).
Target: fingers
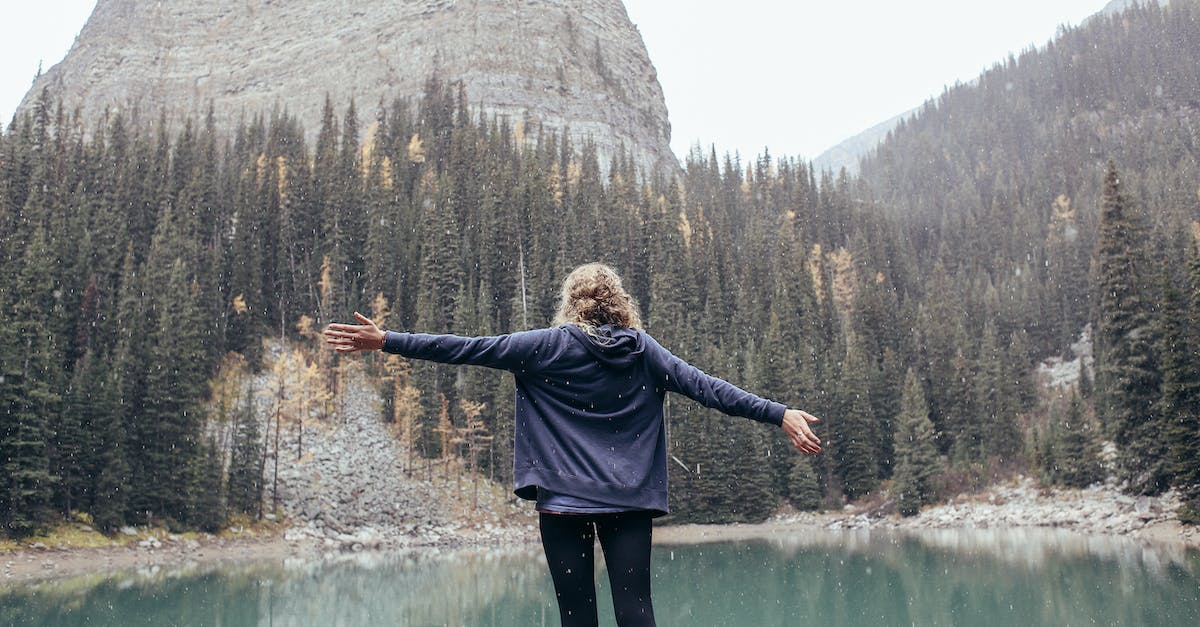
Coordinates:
(343,346)
(349,328)
(811,446)
(337,333)
(808,448)
(808,433)
(363,319)
(809,417)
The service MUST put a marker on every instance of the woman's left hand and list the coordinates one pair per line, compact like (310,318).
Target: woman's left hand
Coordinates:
(348,338)
(795,425)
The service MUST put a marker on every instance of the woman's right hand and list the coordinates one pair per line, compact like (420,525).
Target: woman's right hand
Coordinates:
(795,425)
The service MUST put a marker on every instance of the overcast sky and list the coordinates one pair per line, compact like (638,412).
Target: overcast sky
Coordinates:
(797,76)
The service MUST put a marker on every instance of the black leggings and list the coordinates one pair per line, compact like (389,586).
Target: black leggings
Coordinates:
(569,541)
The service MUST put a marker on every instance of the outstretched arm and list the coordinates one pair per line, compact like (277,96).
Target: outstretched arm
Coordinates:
(349,338)
(681,377)
(515,351)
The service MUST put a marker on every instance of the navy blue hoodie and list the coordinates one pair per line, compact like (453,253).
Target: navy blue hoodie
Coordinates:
(589,408)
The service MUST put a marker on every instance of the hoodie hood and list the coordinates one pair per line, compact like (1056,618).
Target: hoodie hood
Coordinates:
(615,347)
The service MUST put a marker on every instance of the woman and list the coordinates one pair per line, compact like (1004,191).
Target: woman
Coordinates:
(590,445)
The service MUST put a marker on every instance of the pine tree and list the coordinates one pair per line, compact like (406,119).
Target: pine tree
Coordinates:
(1180,350)
(441,272)
(1127,371)
(110,496)
(1066,271)
(803,492)
(1076,449)
(352,218)
(996,400)
(886,391)
(206,507)
(75,434)
(916,456)
(963,426)
(854,429)
(440,288)
(130,421)
(381,263)
(245,490)
(28,380)
(175,383)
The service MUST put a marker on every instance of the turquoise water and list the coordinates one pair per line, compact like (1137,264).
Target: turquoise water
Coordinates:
(826,578)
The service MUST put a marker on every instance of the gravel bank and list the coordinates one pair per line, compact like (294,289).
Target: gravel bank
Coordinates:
(1098,510)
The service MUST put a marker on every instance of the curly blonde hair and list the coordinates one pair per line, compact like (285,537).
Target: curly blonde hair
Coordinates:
(592,295)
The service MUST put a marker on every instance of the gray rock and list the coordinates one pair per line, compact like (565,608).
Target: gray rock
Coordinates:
(568,63)
(1145,508)
(150,543)
(311,510)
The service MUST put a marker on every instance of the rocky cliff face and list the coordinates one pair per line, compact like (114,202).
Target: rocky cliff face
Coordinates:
(577,64)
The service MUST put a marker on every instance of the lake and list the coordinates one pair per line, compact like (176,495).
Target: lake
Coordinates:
(957,577)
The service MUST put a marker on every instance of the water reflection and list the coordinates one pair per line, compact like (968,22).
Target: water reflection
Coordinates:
(962,577)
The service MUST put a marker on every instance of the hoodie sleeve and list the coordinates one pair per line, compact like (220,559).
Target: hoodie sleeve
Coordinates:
(676,375)
(515,352)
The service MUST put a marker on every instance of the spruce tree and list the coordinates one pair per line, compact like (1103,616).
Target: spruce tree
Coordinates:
(916,456)
(75,436)
(245,462)
(942,339)
(130,422)
(854,428)
(28,397)
(175,384)
(666,313)
(1076,449)
(440,286)
(1127,371)
(1179,339)
(886,386)
(996,400)
(110,496)
(206,506)
(803,491)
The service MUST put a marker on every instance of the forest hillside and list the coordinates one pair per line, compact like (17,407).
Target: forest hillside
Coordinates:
(907,307)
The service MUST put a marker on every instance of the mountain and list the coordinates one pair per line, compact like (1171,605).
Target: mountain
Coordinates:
(1004,177)
(1043,123)
(1116,6)
(847,153)
(570,64)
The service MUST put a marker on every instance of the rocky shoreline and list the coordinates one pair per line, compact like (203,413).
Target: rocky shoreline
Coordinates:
(1098,511)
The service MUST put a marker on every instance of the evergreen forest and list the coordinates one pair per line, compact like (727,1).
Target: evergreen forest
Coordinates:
(1057,197)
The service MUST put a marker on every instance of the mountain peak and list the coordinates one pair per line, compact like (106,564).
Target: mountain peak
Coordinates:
(577,65)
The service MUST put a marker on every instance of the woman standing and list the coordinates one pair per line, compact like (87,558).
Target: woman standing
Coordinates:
(590,445)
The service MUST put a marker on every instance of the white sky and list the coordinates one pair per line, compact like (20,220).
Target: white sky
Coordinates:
(797,76)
